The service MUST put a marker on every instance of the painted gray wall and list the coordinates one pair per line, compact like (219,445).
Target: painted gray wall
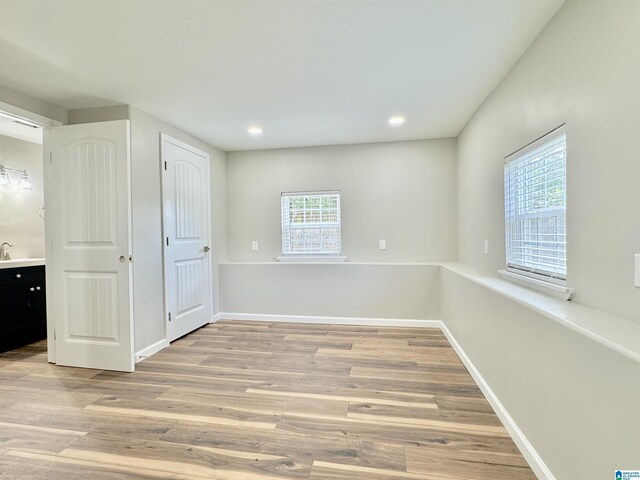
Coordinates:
(20,223)
(32,104)
(147,221)
(583,70)
(401,191)
(575,400)
(338,289)
(99,114)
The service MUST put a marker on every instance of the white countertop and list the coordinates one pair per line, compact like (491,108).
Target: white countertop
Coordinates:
(21,262)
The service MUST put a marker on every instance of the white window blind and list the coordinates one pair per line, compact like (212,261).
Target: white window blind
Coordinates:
(311,223)
(535,208)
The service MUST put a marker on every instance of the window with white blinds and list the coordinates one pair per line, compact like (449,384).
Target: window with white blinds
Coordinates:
(535,191)
(311,223)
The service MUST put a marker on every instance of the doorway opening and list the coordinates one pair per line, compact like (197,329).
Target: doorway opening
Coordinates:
(22,235)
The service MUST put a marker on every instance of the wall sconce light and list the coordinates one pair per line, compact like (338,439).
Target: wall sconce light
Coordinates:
(25,182)
(5,180)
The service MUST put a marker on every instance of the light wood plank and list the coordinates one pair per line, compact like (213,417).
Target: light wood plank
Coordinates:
(456,465)
(258,400)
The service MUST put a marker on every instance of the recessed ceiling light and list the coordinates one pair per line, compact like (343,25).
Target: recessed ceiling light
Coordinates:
(396,121)
(254,131)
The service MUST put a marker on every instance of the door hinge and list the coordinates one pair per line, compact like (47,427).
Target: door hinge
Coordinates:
(50,157)
(169,316)
(167,241)
(165,166)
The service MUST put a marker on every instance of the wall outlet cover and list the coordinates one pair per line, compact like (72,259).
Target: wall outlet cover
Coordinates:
(254,245)
(382,244)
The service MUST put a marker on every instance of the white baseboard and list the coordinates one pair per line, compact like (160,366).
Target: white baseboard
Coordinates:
(374,322)
(537,464)
(151,349)
(531,456)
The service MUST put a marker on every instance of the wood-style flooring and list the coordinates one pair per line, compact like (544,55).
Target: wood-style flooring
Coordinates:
(252,401)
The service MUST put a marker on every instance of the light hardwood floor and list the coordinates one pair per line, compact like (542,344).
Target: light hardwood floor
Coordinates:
(248,400)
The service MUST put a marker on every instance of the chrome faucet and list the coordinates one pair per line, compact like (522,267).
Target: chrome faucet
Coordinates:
(4,255)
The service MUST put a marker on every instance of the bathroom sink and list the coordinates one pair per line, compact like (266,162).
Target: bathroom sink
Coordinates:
(21,262)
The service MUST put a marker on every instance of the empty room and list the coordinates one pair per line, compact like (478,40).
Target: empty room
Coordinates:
(319,239)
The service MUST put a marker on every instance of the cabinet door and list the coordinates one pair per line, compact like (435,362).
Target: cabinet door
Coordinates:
(37,310)
(17,323)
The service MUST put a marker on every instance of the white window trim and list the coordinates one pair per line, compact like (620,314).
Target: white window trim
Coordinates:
(542,277)
(544,282)
(305,258)
(315,257)
(545,286)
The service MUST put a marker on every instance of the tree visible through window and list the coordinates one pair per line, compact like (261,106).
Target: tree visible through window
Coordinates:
(311,223)
(535,208)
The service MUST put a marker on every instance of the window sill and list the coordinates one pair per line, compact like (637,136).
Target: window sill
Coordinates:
(311,259)
(557,291)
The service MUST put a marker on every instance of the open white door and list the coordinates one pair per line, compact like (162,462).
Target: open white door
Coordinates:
(88,198)
(187,227)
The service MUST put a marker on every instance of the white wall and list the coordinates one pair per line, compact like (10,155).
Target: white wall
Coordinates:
(26,105)
(147,221)
(583,70)
(575,400)
(332,290)
(20,223)
(402,191)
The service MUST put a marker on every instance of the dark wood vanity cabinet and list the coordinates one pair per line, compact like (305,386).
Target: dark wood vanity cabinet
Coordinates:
(23,307)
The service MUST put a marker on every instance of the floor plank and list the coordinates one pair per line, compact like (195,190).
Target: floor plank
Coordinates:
(256,401)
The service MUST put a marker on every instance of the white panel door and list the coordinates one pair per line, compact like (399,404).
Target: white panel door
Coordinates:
(187,208)
(89,217)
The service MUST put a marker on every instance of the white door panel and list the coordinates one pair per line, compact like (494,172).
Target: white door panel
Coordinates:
(187,231)
(88,208)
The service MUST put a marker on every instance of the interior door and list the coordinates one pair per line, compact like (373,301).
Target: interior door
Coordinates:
(187,225)
(88,198)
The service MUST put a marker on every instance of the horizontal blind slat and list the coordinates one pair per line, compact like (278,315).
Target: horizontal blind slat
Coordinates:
(535,206)
(311,223)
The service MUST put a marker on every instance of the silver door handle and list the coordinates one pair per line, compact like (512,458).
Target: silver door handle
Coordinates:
(206,249)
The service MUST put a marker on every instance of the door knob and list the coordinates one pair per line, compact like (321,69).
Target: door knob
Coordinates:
(206,249)
(122,258)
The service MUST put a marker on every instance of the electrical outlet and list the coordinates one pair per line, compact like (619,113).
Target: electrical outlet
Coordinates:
(637,281)
(382,244)
(254,246)
(486,247)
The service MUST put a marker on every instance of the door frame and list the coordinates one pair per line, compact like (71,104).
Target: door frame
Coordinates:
(45,123)
(164,137)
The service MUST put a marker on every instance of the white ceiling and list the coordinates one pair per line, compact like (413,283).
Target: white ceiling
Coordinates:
(310,72)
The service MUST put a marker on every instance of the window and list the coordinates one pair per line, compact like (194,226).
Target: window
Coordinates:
(535,192)
(311,223)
